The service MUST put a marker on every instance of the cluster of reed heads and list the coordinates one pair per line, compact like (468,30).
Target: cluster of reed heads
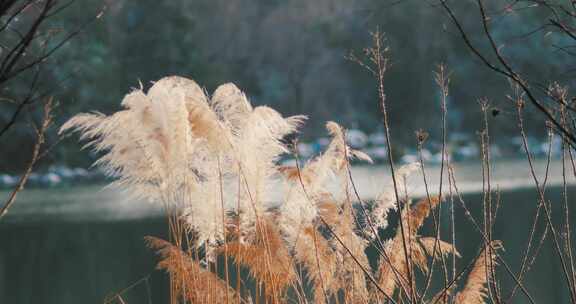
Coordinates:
(244,229)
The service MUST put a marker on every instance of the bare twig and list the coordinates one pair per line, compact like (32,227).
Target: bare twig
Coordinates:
(40,139)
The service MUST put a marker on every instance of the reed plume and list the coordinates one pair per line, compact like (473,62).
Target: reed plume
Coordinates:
(307,197)
(192,283)
(476,291)
(267,258)
(212,162)
(149,146)
(307,187)
(257,149)
(387,201)
(352,279)
(313,250)
(394,270)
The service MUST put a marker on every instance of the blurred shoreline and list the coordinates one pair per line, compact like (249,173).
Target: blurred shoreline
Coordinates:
(96,202)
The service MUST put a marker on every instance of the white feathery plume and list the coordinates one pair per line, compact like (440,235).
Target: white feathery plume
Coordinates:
(203,214)
(299,208)
(304,191)
(257,147)
(386,201)
(163,147)
(231,105)
(134,143)
(306,197)
(168,103)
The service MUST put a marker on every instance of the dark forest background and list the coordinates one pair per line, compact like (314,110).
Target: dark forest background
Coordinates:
(290,55)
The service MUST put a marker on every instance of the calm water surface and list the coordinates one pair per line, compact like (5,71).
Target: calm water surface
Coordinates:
(45,259)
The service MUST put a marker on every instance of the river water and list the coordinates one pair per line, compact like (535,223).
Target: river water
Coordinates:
(79,245)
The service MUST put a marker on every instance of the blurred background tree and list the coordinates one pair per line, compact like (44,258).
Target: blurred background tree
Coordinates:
(290,55)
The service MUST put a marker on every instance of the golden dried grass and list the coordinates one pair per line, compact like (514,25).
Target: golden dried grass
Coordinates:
(476,290)
(267,258)
(191,282)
